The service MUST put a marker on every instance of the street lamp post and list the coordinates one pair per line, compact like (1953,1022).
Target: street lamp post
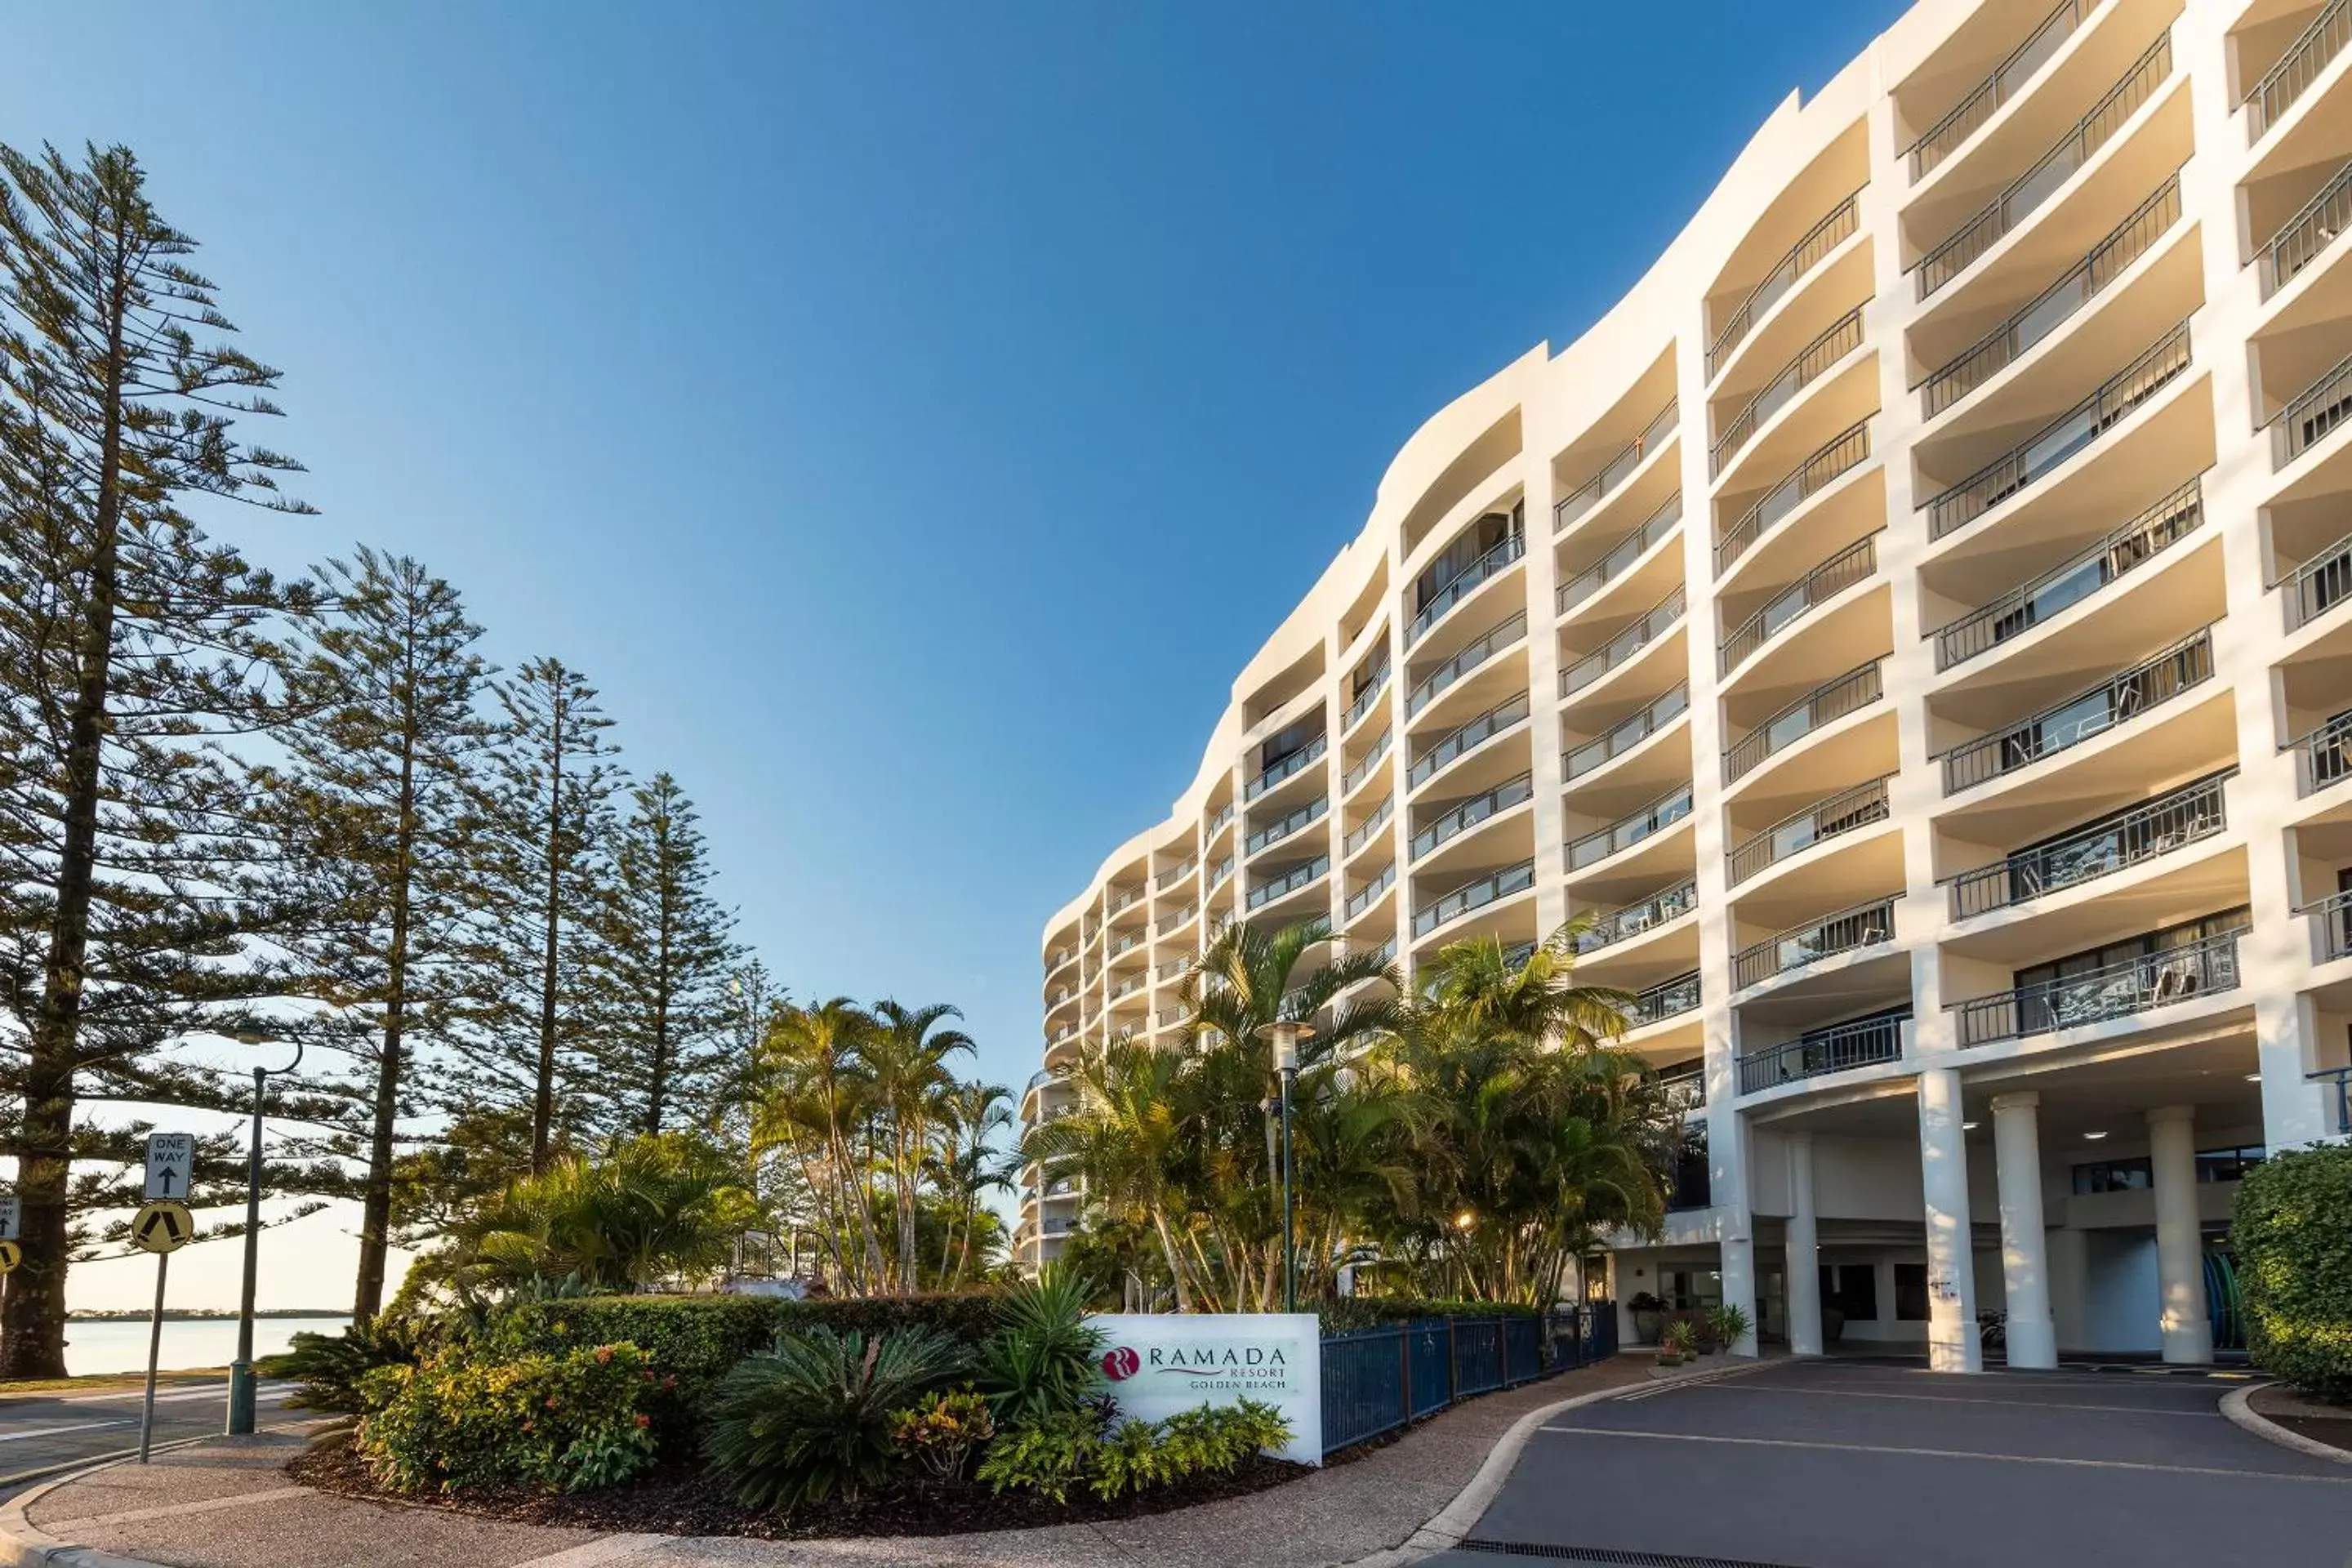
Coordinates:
(1285,1036)
(240,1371)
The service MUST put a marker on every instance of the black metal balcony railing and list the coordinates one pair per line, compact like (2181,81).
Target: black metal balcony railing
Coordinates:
(1437,681)
(1830,701)
(1288,768)
(1361,834)
(2060,439)
(1862,1043)
(1834,228)
(1366,699)
(1499,558)
(1623,925)
(1684,1087)
(2320,584)
(1627,831)
(1363,769)
(2340,1079)
(1668,999)
(1476,895)
(1290,881)
(1503,716)
(2118,990)
(1840,339)
(2024,195)
(1848,931)
(1621,555)
(2303,237)
(2048,310)
(2083,717)
(1469,813)
(2331,926)
(1361,900)
(1659,619)
(1841,813)
(1842,571)
(1578,761)
(2324,757)
(1848,449)
(2298,69)
(2313,415)
(2115,843)
(2133,546)
(1981,102)
(1614,472)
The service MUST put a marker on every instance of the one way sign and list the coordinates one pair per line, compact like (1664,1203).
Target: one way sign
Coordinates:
(171,1156)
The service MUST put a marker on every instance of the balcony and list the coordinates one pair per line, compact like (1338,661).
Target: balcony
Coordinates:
(1621,557)
(1470,813)
(1126,988)
(2324,757)
(1503,716)
(1684,1087)
(2311,415)
(2061,587)
(1623,924)
(1616,470)
(1363,897)
(1981,102)
(2289,79)
(1176,921)
(1363,834)
(1817,242)
(2320,584)
(1289,882)
(1668,999)
(1372,758)
(1842,571)
(2303,237)
(1848,931)
(2025,195)
(2117,991)
(1579,761)
(1127,943)
(1173,875)
(1840,339)
(1862,1042)
(2083,717)
(1824,704)
(1847,449)
(2113,843)
(2340,1080)
(1288,768)
(1627,831)
(1493,563)
(1659,619)
(1039,1078)
(1283,827)
(2055,306)
(1217,823)
(1843,813)
(1174,969)
(1120,901)
(1476,895)
(1368,699)
(2115,398)
(1437,681)
(1219,872)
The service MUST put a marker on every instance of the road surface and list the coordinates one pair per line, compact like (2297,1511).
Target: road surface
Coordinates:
(40,1433)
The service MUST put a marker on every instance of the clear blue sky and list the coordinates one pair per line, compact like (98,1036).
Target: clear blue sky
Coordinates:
(909,416)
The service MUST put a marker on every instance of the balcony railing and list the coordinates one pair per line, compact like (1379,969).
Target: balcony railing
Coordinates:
(1175,874)
(1659,619)
(1503,716)
(1437,681)
(1176,921)
(1862,1043)
(1361,900)
(2026,193)
(2298,69)
(1623,924)
(1848,931)
(1579,761)
(1964,118)
(1224,815)
(1841,813)
(2324,757)
(1612,473)
(1825,582)
(1369,696)
(2083,717)
(1127,943)
(1288,768)
(1627,831)
(1290,881)
(1684,1087)
(1818,241)
(2340,1079)
(2125,550)
(1168,1017)
(1621,555)
(1847,449)
(1476,895)
(1840,339)
(1127,988)
(1830,701)
(1042,1076)
(2102,849)
(1470,813)
(1372,758)
(1362,833)
(2060,439)
(2303,237)
(1457,587)
(1668,999)
(1123,902)
(2313,413)
(2118,990)
(1289,823)
(2048,310)
(1219,872)
(1172,970)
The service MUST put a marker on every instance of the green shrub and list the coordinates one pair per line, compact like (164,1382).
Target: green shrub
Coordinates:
(942,1431)
(570,1422)
(329,1367)
(1047,1457)
(1346,1314)
(1132,1457)
(1042,1359)
(1724,1326)
(1051,1456)
(813,1413)
(2292,1235)
(1217,1438)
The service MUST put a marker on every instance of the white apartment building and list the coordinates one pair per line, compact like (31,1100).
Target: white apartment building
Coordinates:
(1917,622)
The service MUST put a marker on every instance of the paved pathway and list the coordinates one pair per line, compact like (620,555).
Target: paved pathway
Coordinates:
(42,1433)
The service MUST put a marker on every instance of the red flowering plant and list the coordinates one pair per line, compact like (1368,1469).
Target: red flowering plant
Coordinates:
(568,1422)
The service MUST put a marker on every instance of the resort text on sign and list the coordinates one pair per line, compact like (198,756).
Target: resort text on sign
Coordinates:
(1156,1364)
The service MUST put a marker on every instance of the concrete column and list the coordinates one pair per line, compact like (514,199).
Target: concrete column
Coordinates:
(1804,1263)
(2024,1267)
(2180,1238)
(1952,1337)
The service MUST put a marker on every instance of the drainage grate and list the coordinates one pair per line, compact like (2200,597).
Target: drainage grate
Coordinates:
(1608,1554)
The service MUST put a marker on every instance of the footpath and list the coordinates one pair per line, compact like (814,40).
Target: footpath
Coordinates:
(229,1504)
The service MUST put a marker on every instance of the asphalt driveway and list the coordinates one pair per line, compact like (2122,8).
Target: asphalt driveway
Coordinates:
(1837,1464)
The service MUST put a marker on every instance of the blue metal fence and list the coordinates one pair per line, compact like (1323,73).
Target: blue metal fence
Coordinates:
(1376,1380)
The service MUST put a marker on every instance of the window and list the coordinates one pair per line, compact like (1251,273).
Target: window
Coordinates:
(2113,1176)
(1910,1292)
(2227,1164)
(1693,1187)
(1852,1290)
(1691,1289)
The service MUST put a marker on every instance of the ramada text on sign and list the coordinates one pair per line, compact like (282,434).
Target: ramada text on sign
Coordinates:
(1158,1363)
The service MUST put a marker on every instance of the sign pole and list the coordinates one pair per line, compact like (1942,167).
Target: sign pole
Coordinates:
(154,1351)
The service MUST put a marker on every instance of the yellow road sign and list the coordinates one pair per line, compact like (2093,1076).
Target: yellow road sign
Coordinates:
(164,1226)
(11,1255)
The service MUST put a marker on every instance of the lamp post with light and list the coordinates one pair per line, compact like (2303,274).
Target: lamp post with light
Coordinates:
(1286,1036)
(240,1371)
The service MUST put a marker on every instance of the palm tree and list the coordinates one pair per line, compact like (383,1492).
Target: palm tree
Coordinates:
(967,1164)
(808,1095)
(1245,981)
(1127,1135)
(655,1206)
(906,1056)
(1474,984)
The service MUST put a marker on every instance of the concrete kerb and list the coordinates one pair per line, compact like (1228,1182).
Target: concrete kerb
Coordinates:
(2238,1404)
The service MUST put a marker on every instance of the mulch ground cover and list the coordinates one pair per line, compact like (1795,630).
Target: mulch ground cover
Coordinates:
(675,1498)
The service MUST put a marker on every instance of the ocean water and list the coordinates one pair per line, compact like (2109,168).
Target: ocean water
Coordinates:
(119,1345)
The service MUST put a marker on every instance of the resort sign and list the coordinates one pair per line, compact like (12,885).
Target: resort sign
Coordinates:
(1156,1364)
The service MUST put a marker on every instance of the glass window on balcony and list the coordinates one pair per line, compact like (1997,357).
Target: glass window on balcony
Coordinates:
(2099,982)
(1477,552)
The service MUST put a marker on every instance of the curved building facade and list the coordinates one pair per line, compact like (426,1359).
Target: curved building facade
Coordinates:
(1916,623)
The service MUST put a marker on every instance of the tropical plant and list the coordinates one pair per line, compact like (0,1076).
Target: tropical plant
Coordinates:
(1046,1457)
(331,1368)
(2292,1233)
(1679,1338)
(1041,1361)
(1727,1325)
(813,1416)
(569,1422)
(653,1207)
(942,1431)
(906,1056)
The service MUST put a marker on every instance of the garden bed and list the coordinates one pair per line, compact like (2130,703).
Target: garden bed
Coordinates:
(676,1499)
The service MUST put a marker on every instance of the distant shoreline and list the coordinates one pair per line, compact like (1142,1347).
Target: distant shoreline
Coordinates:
(199,1314)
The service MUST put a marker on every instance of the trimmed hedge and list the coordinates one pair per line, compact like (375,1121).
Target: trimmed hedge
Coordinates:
(2292,1235)
(1346,1314)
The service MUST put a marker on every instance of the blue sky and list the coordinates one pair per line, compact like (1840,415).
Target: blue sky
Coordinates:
(909,416)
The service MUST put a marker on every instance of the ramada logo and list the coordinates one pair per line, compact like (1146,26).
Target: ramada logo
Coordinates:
(1120,1364)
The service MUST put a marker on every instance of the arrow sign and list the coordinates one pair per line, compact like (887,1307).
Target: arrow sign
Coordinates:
(9,1213)
(164,1226)
(171,1159)
(11,1255)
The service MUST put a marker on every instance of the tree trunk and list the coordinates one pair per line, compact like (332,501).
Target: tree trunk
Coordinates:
(1175,1263)
(543,1105)
(375,1206)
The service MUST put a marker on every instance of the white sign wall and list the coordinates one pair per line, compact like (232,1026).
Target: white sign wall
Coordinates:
(1156,1364)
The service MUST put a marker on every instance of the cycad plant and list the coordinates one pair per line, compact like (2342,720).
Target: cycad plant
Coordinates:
(812,1415)
(1041,1361)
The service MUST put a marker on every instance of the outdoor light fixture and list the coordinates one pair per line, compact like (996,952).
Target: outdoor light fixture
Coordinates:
(1464,1220)
(1285,1035)
(240,1371)
(1967,1126)
(2094,1137)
